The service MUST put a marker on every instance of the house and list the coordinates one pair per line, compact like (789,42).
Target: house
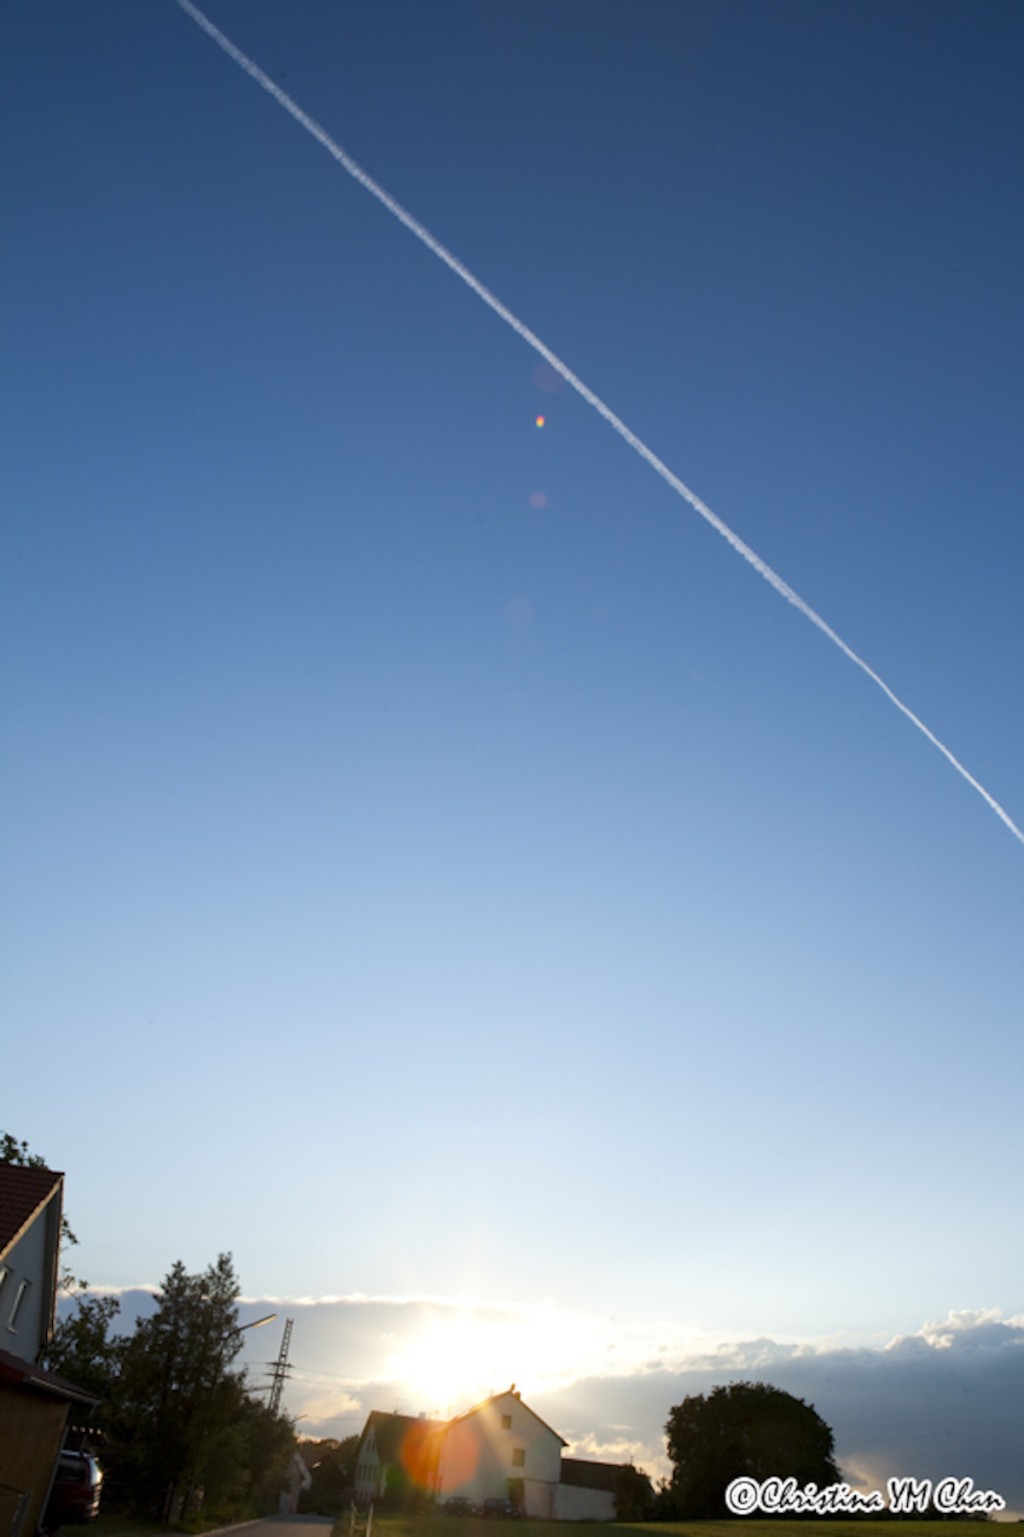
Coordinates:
(297,1481)
(397,1454)
(498,1450)
(35,1405)
(31,1204)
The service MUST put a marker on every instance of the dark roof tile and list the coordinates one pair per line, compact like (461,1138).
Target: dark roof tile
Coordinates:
(23,1193)
(582,1474)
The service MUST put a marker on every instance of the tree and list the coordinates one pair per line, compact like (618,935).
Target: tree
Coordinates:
(332,1467)
(634,1496)
(13,1151)
(747,1429)
(175,1417)
(270,1442)
(182,1410)
(82,1350)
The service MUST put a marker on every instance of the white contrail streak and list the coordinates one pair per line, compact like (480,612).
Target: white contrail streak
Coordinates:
(356,171)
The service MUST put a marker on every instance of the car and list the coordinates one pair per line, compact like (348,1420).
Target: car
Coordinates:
(75,1495)
(459,1505)
(502,1508)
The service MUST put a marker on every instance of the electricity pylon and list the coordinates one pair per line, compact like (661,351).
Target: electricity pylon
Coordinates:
(280,1368)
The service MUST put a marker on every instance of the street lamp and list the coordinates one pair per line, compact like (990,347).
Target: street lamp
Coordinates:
(257,1323)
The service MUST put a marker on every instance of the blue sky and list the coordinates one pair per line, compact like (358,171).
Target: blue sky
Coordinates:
(436,864)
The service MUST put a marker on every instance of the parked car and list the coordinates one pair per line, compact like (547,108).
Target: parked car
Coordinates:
(75,1496)
(503,1508)
(459,1505)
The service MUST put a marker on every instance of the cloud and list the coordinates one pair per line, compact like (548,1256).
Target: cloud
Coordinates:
(946,1399)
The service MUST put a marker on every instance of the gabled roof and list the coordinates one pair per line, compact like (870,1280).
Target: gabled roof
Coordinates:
(410,1446)
(23,1194)
(496,1398)
(393,1432)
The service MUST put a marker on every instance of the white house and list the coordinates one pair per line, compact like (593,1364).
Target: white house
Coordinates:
(397,1453)
(502,1450)
(30,1213)
(499,1449)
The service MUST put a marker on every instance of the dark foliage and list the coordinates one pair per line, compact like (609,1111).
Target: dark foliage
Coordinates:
(83,1351)
(176,1429)
(332,1468)
(181,1409)
(634,1496)
(747,1429)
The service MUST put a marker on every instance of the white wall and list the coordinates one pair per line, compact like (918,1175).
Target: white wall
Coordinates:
(27,1260)
(575,1504)
(480,1455)
(368,1469)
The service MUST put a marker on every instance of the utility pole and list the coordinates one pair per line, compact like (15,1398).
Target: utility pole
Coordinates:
(280,1369)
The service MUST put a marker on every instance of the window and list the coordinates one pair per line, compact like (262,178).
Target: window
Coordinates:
(19,1297)
(506,1422)
(518,1457)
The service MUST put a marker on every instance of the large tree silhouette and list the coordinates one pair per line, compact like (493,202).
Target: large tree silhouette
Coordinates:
(747,1429)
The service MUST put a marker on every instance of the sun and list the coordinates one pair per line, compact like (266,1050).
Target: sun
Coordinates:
(464,1352)
(449,1366)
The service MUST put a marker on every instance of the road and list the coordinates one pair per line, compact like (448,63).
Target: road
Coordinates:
(281,1526)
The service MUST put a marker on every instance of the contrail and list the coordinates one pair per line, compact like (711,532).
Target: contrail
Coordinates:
(783,588)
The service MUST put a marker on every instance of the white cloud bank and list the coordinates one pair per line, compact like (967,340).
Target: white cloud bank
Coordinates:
(947,1399)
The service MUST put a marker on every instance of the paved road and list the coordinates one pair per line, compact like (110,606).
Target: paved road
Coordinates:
(282,1526)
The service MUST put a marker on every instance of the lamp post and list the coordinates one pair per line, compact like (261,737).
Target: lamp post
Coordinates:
(257,1323)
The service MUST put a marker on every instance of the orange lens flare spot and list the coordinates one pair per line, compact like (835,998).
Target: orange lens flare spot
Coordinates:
(461,1455)
(539,421)
(421,1446)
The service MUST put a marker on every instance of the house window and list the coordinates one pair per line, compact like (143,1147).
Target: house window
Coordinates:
(19,1297)
(506,1422)
(518,1457)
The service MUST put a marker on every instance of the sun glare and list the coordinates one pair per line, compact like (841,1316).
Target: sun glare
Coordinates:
(460,1359)
(446,1367)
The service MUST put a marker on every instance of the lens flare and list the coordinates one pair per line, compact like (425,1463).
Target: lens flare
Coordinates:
(419,1451)
(539,421)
